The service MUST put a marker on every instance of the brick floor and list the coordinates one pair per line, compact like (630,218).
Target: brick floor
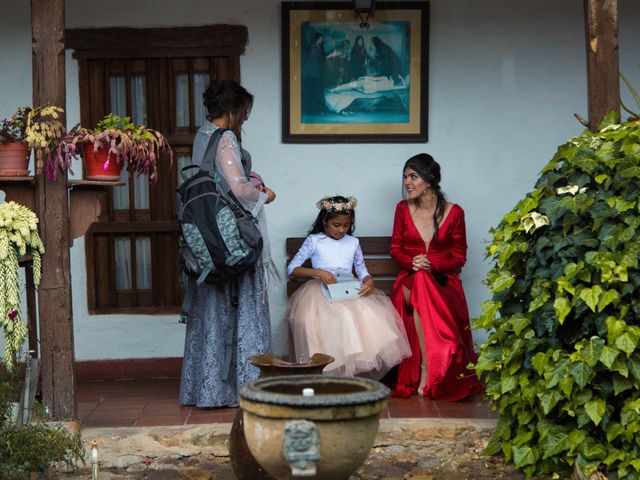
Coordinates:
(138,403)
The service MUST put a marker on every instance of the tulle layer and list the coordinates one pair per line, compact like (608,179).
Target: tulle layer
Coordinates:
(365,336)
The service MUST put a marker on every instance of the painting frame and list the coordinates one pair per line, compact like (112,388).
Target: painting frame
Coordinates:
(386,103)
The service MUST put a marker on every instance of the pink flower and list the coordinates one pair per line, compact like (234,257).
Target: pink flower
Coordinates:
(13,314)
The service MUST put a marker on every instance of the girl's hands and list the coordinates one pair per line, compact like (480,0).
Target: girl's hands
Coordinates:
(326,277)
(367,287)
(421,262)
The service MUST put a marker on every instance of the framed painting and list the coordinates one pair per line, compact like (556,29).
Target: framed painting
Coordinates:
(343,82)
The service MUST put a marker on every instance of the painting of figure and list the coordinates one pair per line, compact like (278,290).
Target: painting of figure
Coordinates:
(350,75)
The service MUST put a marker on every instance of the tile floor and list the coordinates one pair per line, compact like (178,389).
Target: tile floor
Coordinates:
(138,403)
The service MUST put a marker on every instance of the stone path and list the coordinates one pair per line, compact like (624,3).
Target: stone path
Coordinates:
(416,449)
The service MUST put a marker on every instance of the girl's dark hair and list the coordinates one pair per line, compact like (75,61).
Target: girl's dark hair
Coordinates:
(429,170)
(228,97)
(325,215)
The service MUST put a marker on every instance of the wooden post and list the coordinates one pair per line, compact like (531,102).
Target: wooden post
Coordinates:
(52,208)
(603,83)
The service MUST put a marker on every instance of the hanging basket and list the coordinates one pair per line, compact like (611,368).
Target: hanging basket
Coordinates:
(14,160)
(94,164)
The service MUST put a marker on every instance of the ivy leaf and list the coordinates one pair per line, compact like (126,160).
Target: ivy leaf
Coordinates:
(615,328)
(634,367)
(609,355)
(595,409)
(566,385)
(614,429)
(548,400)
(539,361)
(575,439)
(524,456)
(620,384)
(554,442)
(509,384)
(606,298)
(562,307)
(591,296)
(592,351)
(627,342)
(581,373)
(621,366)
(502,281)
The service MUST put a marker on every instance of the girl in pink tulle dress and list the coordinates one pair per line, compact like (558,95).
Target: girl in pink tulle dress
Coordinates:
(365,334)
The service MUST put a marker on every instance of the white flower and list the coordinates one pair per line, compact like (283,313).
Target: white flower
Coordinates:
(533,221)
(572,189)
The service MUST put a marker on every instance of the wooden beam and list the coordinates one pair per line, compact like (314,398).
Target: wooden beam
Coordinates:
(208,36)
(52,208)
(603,83)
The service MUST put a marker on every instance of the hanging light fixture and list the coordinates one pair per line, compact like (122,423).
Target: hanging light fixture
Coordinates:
(364,10)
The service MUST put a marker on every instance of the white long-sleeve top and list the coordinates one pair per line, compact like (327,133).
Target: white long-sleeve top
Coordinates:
(340,257)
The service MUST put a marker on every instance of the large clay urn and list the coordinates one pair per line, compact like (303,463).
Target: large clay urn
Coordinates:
(324,436)
(244,465)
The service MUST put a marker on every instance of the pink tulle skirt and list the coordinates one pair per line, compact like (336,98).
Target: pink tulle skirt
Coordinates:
(365,336)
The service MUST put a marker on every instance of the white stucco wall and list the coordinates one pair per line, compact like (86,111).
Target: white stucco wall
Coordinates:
(505,79)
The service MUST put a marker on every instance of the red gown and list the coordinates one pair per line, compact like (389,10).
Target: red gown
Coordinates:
(443,309)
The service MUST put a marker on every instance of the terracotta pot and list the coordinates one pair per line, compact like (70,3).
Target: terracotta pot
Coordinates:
(325,436)
(244,465)
(94,164)
(14,160)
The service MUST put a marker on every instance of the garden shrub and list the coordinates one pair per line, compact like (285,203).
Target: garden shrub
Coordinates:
(35,450)
(562,361)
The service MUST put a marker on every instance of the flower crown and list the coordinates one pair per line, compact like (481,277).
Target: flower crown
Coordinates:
(329,203)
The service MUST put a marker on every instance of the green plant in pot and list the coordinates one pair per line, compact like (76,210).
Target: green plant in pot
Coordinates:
(18,237)
(28,128)
(114,141)
(562,360)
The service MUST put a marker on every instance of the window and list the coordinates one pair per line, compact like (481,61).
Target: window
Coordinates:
(132,251)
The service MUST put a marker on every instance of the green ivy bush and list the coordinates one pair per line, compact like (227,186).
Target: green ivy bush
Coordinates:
(562,361)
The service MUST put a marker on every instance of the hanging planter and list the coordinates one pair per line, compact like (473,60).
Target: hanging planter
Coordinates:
(14,159)
(100,164)
(18,237)
(139,146)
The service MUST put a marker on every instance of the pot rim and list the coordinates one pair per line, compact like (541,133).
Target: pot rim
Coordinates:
(373,391)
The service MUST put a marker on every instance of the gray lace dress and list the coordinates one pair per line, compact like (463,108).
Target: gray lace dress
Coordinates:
(203,382)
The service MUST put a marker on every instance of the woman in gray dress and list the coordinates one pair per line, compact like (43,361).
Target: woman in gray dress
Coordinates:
(213,316)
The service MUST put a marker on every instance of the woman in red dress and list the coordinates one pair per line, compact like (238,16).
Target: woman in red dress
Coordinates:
(429,243)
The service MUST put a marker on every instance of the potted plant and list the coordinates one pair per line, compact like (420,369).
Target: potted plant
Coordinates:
(29,127)
(106,147)
(18,237)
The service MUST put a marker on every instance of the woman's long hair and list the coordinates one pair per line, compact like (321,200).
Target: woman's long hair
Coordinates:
(429,170)
(228,97)
(325,215)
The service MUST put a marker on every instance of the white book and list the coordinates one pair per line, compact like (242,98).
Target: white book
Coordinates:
(344,289)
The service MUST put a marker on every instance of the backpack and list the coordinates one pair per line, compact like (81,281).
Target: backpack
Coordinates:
(221,239)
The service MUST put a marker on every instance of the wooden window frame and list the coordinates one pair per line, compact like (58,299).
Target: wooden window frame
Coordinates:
(159,50)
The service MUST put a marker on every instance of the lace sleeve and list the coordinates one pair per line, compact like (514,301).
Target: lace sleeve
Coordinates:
(358,263)
(229,164)
(302,255)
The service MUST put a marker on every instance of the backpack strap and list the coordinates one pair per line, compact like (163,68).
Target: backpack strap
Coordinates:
(183,172)
(189,293)
(228,338)
(209,159)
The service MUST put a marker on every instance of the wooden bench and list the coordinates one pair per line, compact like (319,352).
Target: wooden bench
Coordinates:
(375,250)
